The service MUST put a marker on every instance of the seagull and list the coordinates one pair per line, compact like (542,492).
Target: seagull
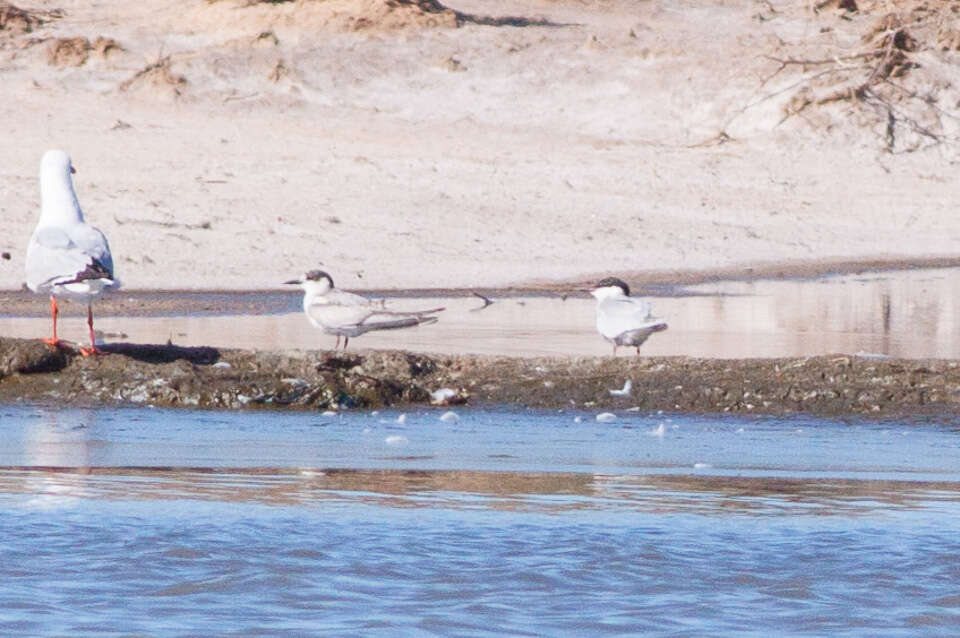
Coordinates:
(346,315)
(621,319)
(66,257)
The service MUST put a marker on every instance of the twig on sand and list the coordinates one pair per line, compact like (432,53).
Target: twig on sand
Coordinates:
(486,302)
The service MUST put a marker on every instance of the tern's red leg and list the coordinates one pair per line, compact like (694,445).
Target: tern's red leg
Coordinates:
(53,313)
(346,340)
(93,341)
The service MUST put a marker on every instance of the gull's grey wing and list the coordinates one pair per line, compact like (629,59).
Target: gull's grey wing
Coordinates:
(59,255)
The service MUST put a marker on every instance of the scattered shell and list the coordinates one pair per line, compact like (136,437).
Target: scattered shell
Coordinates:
(441,396)
(624,391)
(448,396)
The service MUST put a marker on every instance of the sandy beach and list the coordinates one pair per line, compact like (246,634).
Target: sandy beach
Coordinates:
(229,145)
(777,178)
(416,149)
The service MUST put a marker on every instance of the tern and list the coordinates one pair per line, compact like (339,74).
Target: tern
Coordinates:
(346,315)
(66,257)
(621,319)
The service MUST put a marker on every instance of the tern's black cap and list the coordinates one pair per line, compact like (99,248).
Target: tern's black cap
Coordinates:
(613,281)
(317,275)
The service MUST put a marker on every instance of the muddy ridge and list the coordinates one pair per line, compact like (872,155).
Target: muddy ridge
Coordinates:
(174,376)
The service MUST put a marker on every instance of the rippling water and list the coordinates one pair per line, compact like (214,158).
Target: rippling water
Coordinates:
(169,523)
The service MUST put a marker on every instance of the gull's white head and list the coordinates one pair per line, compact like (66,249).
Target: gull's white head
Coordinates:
(56,188)
(56,163)
(610,287)
(314,282)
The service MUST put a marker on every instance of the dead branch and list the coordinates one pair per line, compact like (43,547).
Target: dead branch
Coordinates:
(486,302)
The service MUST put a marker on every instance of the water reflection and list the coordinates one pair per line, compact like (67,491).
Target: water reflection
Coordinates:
(58,440)
(550,493)
(161,522)
(909,313)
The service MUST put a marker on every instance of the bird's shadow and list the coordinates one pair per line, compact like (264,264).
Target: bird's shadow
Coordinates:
(165,353)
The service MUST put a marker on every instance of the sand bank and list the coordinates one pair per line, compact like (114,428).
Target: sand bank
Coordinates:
(236,379)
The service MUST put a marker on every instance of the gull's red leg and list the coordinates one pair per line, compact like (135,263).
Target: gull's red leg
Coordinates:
(93,341)
(53,313)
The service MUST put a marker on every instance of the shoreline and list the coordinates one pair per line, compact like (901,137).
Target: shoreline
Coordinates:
(667,283)
(200,377)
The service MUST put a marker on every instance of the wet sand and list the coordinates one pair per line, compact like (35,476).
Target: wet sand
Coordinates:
(908,314)
(879,343)
(659,283)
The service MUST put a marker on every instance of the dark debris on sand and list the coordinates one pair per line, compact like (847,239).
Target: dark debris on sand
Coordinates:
(174,376)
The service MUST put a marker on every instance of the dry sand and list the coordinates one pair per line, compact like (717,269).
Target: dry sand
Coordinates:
(232,144)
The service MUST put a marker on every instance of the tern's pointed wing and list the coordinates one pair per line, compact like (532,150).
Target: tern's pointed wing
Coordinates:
(340,311)
(616,316)
(64,254)
(337,316)
(391,322)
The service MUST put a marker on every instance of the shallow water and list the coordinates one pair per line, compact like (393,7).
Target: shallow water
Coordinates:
(909,313)
(169,523)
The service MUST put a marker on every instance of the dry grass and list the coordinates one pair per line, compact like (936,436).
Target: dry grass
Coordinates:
(898,80)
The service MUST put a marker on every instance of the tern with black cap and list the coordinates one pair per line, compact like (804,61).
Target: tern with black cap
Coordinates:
(344,314)
(621,319)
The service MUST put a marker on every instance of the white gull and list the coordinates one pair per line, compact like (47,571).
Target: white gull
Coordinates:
(66,257)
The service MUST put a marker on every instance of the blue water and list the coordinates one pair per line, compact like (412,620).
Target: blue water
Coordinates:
(178,523)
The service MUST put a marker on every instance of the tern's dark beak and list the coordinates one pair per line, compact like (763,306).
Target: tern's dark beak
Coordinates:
(295,282)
